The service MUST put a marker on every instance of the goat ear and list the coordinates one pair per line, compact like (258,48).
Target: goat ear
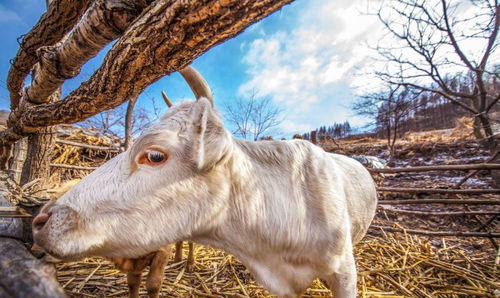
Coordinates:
(209,136)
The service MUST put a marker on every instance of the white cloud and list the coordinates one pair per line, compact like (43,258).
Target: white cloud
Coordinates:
(302,68)
(290,127)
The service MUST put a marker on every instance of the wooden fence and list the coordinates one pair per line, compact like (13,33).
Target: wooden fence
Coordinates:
(450,199)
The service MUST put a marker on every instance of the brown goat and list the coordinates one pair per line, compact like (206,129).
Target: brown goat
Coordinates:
(133,267)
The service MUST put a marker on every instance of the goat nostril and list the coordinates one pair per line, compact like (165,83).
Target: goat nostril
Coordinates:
(40,220)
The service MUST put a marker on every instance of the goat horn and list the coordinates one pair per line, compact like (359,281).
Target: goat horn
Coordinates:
(197,83)
(166,99)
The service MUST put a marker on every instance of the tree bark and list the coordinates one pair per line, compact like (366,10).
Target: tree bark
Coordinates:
(60,17)
(173,32)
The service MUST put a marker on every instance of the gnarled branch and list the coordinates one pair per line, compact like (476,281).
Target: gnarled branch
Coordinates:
(60,17)
(103,22)
(167,37)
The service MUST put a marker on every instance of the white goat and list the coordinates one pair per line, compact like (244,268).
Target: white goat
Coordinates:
(288,210)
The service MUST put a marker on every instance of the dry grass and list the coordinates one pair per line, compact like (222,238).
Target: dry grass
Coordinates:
(388,266)
(78,156)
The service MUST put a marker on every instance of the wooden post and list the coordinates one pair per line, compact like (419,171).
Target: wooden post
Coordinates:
(17,162)
(314,137)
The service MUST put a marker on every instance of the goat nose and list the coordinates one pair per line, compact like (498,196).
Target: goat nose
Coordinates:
(40,220)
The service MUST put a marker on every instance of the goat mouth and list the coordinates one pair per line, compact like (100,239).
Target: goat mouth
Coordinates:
(41,254)
(48,255)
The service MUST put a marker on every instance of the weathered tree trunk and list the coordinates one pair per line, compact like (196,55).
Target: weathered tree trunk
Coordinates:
(37,165)
(39,154)
(476,126)
(17,162)
(38,157)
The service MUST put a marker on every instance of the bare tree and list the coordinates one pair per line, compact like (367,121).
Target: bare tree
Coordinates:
(253,117)
(121,122)
(388,109)
(433,36)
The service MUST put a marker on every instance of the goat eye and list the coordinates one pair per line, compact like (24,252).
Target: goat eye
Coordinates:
(155,157)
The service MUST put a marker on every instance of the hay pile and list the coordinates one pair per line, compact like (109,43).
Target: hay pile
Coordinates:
(388,266)
(66,154)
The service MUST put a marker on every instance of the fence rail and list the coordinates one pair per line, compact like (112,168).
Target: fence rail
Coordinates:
(481,166)
(438,190)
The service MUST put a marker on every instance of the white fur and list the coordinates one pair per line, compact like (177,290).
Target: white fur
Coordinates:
(288,210)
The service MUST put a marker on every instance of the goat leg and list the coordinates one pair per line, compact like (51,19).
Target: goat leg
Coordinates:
(178,252)
(155,275)
(134,283)
(190,259)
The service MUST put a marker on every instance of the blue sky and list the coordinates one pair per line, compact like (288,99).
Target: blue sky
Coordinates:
(305,57)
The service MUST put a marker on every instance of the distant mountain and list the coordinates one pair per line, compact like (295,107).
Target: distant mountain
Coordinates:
(4,114)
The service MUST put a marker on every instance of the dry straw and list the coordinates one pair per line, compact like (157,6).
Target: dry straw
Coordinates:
(391,265)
